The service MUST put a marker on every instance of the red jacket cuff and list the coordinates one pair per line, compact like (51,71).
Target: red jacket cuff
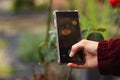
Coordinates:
(109,57)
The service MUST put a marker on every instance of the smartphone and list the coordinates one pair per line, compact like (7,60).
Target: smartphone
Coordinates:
(68,32)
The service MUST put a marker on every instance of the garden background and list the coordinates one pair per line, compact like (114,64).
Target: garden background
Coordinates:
(27,37)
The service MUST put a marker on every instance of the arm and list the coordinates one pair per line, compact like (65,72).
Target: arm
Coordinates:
(109,57)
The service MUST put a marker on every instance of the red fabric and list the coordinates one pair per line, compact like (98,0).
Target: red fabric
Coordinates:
(109,57)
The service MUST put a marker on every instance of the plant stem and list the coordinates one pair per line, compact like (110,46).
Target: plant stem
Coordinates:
(47,37)
(69,74)
(118,16)
(117,23)
(45,72)
(34,75)
(49,20)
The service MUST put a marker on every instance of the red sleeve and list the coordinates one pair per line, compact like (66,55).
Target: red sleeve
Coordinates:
(109,57)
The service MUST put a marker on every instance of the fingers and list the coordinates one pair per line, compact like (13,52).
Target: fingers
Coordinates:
(76,47)
(72,65)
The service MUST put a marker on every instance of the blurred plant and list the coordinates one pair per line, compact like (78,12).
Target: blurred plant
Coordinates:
(46,49)
(115,3)
(116,15)
(93,33)
(28,51)
(21,5)
(5,69)
(101,1)
(47,54)
(71,4)
(27,47)
(3,43)
(95,36)
(100,8)
(42,7)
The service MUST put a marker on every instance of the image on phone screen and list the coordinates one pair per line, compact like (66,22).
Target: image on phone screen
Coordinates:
(68,33)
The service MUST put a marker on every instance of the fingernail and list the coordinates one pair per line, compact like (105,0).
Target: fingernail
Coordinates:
(71,54)
(68,64)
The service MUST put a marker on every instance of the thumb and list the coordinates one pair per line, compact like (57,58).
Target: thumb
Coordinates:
(77,47)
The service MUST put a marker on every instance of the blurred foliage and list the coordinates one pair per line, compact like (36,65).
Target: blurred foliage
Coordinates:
(3,43)
(28,47)
(97,18)
(6,71)
(45,48)
(95,36)
(115,16)
(47,51)
(28,6)
(20,5)
(42,7)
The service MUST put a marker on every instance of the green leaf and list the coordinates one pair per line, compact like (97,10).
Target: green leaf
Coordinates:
(101,29)
(95,36)
(42,52)
(84,33)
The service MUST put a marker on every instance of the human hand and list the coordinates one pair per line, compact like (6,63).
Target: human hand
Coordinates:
(90,52)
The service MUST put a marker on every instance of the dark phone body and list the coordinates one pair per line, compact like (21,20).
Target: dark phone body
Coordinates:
(68,33)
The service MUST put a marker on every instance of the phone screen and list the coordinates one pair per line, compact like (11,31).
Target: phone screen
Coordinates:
(68,33)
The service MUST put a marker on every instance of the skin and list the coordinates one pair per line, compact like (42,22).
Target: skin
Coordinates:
(90,51)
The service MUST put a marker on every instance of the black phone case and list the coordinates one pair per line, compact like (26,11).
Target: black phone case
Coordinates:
(67,33)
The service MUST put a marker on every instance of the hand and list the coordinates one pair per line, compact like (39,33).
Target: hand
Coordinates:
(90,51)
